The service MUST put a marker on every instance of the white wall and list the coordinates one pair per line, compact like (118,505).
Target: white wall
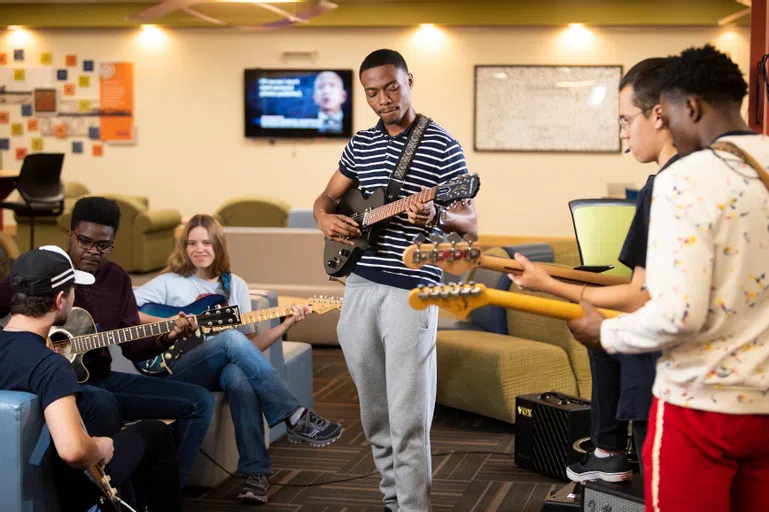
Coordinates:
(191,153)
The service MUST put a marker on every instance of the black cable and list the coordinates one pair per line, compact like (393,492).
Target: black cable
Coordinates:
(359,477)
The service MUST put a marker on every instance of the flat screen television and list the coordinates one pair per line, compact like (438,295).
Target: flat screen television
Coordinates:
(298,103)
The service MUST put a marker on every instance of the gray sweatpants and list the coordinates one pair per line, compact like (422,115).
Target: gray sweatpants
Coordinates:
(390,351)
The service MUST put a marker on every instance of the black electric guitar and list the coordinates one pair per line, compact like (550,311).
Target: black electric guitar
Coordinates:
(79,334)
(370,213)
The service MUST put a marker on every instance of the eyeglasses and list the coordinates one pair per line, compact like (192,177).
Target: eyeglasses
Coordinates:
(624,122)
(87,244)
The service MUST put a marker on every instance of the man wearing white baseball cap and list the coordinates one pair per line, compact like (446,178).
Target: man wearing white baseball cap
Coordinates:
(43,282)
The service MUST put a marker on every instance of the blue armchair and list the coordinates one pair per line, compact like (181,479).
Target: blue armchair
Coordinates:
(27,484)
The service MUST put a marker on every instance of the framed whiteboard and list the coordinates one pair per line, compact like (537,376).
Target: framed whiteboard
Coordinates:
(547,108)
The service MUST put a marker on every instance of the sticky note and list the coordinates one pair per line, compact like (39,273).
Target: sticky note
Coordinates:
(5,144)
(46,58)
(37,144)
(98,150)
(69,89)
(70,61)
(83,106)
(84,81)
(77,147)
(33,125)
(18,55)
(5,118)
(21,153)
(61,74)
(87,65)
(3,59)
(60,130)
(19,75)
(26,110)
(93,133)
(17,129)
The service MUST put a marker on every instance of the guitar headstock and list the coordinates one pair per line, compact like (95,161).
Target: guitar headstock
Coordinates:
(219,316)
(453,254)
(321,304)
(459,298)
(464,187)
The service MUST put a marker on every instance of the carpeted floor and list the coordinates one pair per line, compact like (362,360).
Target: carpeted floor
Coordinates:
(473,482)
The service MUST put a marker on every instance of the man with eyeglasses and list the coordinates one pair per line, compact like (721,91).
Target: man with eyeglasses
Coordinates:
(110,397)
(621,384)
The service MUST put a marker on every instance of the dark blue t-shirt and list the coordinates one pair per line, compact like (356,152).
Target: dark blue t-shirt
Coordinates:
(634,249)
(27,364)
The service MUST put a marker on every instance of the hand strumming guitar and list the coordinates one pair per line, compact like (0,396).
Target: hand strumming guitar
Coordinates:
(587,329)
(421,213)
(338,227)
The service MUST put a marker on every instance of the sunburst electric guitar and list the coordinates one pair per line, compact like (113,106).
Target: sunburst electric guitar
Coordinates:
(461,298)
(165,362)
(79,334)
(457,255)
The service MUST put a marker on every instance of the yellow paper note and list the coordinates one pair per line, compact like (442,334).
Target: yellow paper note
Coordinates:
(84,81)
(46,59)
(83,106)
(37,144)
(17,129)
(19,75)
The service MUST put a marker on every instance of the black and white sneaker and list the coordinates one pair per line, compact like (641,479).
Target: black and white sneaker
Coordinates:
(614,468)
(314,430)
(255,489)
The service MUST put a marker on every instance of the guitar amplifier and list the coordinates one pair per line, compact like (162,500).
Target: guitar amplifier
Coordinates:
(600,496)
(548,430)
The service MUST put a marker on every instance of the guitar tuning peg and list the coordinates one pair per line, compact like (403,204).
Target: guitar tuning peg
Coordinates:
(454,237)
(437,239)
(471,237)
(419,239)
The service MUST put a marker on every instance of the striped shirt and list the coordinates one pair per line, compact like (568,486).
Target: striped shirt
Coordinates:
(370,158)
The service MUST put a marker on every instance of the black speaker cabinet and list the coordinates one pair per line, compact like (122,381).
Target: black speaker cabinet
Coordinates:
(549,428)
(600,496)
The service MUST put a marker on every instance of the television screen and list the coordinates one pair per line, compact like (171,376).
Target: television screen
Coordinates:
(298,103)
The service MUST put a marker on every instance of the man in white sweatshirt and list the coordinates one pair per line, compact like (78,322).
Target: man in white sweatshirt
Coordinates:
(707,273)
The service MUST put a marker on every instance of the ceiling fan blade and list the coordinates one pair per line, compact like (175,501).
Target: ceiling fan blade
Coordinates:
(158,11)
(733,17)
(301,17)
(746,3)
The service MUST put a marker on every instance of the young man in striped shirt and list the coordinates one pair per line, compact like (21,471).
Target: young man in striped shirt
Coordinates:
(390,347)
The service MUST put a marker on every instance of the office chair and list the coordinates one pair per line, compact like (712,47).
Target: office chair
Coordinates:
(601,226)
(40,188)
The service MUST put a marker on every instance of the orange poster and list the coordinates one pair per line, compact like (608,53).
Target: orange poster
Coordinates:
(116,100)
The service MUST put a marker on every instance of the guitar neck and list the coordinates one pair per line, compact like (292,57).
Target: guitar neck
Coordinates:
(557,271)
(397,207)
(541,306)
(82,344)
(259,315)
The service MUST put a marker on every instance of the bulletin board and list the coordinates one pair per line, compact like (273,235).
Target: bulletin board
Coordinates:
(63,97)
(547,108)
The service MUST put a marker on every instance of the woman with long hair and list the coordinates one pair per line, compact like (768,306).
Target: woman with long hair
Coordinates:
(232,360)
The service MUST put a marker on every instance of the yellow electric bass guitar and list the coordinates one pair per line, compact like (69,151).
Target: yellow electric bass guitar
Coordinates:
(461,298)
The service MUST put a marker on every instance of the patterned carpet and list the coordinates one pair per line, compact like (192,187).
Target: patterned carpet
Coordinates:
(474,482)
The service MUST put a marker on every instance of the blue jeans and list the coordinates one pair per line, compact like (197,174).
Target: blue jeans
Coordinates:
(122,397)
(229,362)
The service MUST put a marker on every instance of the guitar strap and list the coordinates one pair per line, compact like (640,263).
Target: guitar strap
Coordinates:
(740,153)
(407,155)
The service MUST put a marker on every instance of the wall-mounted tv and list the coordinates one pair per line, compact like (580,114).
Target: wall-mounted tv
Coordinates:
(298,103)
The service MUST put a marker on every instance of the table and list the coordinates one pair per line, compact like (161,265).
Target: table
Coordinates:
(7,185)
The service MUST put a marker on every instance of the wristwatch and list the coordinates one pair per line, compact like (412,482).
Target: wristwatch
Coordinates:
(438,218)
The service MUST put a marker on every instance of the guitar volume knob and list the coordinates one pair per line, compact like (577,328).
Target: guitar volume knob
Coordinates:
(331,263)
